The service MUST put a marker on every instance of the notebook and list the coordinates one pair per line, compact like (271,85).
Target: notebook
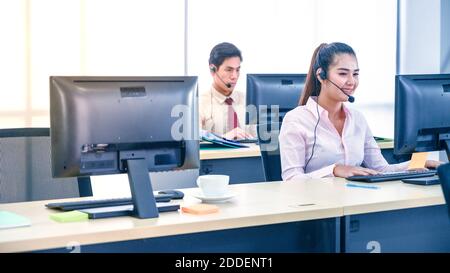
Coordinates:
(12,220)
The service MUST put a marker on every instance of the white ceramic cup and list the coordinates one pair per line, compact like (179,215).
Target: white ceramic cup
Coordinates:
(213,185)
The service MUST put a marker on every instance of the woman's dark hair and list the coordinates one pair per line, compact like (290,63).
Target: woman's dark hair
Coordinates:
(322,58)
(221,52)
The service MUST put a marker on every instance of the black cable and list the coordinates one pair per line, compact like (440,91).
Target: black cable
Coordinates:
(315,130)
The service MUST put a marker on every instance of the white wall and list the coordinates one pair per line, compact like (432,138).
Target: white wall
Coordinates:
(419,32)
(424,40)
(445,36)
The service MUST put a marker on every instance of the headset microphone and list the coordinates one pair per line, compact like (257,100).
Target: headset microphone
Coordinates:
(323,75)
(228,85)
(350,97)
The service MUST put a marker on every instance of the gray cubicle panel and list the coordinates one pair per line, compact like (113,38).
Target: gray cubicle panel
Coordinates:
(240,170)
(174,179)
(25,172)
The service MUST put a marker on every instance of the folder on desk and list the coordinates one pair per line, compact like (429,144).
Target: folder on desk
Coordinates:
(12,220)
(215,139)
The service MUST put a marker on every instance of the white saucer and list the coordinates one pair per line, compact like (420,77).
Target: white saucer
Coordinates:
(227,196)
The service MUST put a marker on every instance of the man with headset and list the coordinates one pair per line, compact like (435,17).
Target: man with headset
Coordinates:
(222,109)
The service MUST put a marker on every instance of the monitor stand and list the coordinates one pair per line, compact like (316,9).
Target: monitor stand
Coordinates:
(144,202)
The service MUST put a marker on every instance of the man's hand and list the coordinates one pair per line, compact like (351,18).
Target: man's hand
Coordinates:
(237,133)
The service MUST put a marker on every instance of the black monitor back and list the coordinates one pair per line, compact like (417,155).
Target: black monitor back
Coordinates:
(283,90)
(88,114)
(422,112)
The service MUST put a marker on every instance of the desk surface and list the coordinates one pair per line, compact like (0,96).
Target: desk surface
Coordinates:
(253,151)
(255,204)
(222,153)
(393,195)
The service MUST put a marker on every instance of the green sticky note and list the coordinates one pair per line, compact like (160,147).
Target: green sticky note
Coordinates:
(12,220)
(70,216)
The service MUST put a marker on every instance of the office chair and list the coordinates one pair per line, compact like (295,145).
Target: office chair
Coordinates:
(444,176)
(25,168)
(270,150)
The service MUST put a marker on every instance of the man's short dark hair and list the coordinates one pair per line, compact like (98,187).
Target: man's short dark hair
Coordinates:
(223,51)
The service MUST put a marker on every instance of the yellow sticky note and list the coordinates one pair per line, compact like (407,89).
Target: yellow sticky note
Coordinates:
(69,216)
(418,160)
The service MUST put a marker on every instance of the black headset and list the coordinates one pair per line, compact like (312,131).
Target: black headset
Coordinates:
(213,69)
(323,76)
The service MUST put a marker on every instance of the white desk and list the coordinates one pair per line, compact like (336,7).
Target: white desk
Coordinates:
(252,151)
(255,205)
(393,195)
(397,217)
(259,205)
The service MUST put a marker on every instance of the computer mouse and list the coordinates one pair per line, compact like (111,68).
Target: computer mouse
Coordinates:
(174,193)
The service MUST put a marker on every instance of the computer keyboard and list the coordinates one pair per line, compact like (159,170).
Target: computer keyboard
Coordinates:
(99,203)
(389,176)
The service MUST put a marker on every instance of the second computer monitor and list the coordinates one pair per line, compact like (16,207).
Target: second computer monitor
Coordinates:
(422,113)
(280,90)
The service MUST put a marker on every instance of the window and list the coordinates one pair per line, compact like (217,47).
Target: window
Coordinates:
(79,37)
(143,37)
(280,36)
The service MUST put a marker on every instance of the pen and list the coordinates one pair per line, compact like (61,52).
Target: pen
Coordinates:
(362,186)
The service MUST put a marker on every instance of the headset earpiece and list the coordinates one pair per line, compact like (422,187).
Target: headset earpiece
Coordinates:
(212,68)
(323,74)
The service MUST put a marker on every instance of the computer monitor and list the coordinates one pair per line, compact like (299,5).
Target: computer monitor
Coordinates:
(279,90)
(422,113)
(134,125)
(422,119)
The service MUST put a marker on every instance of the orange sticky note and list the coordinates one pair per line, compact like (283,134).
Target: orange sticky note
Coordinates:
(418,160)
(200,209)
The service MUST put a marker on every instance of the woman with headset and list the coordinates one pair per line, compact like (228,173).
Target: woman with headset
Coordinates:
(222,109)
(322,137)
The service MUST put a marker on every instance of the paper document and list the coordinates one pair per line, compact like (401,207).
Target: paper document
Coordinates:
(213,138)
(12,220)
(418,160)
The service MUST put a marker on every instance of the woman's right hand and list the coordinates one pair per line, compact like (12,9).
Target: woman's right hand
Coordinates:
(346,171)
